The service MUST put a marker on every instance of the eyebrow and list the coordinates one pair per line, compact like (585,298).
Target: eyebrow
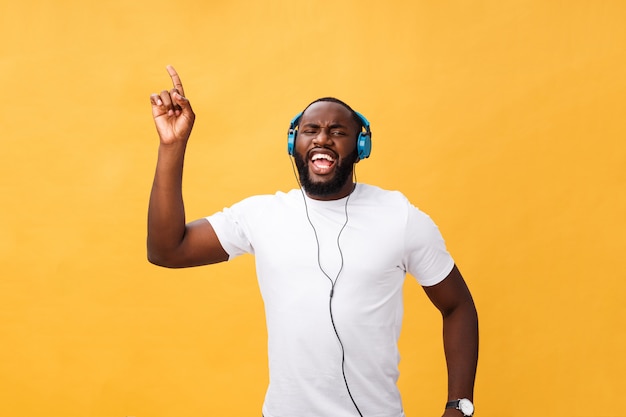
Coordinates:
(332,126)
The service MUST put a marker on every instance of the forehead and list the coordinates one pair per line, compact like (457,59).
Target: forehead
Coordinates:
(324,112)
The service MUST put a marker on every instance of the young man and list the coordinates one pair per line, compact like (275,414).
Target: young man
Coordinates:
(331,259)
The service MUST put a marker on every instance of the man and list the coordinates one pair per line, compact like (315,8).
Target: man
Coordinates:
(331,259)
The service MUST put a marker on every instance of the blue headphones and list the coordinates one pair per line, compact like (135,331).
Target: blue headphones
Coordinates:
(363,143)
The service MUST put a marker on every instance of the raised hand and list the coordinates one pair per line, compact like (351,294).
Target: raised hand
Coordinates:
(172,112)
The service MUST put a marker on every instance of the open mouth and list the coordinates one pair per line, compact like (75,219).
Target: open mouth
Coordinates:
(322,163)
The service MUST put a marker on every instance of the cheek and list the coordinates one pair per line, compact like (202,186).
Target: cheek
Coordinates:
(302,144)
(347,149)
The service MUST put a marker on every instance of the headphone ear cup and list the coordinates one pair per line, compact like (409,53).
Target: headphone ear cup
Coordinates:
(291,141)
(364,145)
(291,134)
(364,141)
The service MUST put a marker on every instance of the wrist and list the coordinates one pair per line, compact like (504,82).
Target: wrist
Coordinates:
(173,145)
(174,151)
(463,405)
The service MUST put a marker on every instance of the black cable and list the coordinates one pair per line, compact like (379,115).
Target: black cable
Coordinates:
(332,283)
(330,308)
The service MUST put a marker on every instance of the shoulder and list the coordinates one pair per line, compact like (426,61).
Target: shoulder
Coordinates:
(374,191)
(394,203)
(277,197)
(261,202)
(371,194)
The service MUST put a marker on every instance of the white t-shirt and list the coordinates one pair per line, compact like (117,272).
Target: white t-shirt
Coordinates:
(364,244)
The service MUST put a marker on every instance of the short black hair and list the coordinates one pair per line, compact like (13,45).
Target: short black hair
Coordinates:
(355,116)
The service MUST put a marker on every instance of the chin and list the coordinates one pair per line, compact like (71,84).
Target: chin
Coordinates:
(323,185)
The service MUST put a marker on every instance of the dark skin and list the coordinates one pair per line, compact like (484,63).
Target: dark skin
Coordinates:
(328,129)
(325,128)
(171,242)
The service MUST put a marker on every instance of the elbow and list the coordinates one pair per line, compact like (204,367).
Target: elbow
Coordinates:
(466,309)
(160,259)
(155,260)
(159,255)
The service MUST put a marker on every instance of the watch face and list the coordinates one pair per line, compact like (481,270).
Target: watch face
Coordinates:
(466,407)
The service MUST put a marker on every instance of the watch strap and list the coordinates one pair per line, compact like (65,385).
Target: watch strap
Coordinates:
(453,404)
(456,404)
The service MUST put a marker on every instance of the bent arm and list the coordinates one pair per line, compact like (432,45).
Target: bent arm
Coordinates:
(171,242)
(460,334)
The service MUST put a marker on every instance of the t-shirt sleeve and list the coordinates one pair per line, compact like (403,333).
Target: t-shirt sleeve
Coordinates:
(231,230)
(426,255)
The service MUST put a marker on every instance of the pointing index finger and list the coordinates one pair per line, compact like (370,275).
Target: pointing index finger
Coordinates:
(176,80)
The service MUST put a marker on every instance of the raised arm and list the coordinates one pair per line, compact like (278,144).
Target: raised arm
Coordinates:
(172,242)
(460,335)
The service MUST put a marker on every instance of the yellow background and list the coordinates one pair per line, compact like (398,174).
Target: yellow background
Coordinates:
(503,120)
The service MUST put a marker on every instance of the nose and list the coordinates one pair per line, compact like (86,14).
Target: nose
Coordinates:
(322,138)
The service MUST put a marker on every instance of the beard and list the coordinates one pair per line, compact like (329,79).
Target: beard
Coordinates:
(342,174)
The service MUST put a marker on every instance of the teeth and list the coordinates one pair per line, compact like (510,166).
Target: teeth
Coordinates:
(322,156)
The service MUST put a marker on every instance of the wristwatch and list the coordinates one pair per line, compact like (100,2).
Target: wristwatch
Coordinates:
(464,405)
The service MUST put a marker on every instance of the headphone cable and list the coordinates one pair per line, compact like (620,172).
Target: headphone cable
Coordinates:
(332,283)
